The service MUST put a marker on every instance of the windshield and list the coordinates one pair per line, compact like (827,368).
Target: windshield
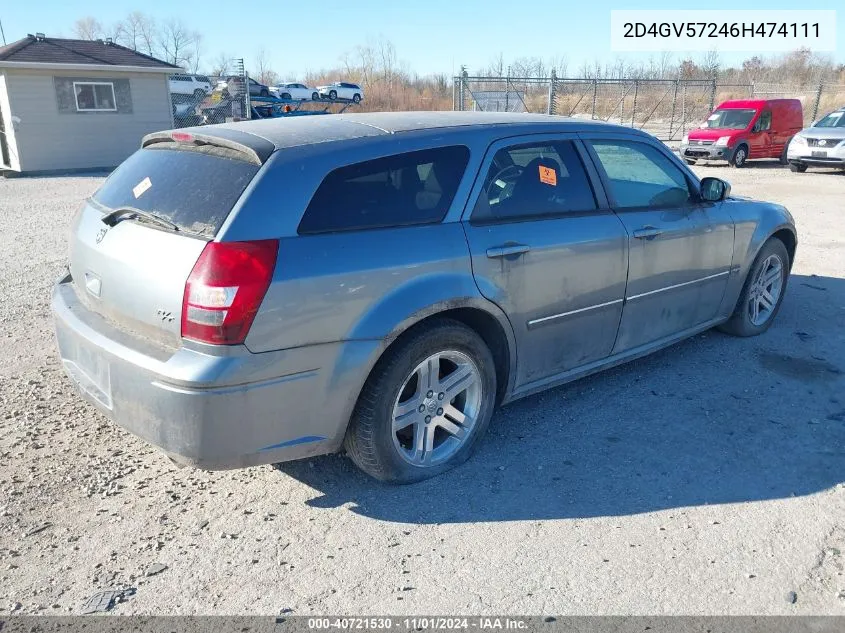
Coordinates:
(834,119)
(729,119)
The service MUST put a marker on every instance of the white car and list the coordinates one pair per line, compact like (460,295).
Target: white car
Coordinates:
(820,145)
(342,90)
(196,85)
(296,91)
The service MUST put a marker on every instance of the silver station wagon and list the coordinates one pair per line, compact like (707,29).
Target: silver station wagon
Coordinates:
(256,292)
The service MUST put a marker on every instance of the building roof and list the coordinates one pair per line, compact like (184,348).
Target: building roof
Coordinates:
(53,51)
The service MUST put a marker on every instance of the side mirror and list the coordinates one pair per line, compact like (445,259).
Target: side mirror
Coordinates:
(714,189)
(756,127)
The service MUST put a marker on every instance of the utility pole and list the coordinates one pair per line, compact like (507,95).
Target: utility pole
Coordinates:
(2,33)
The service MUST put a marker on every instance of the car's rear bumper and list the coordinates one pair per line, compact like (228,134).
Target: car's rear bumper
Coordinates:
(213,412)
(705,152)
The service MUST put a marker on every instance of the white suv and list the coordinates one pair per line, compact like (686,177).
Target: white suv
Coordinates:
(196,85)
(296,91)
(342,90)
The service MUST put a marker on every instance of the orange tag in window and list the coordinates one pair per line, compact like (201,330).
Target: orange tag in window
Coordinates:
(548,176)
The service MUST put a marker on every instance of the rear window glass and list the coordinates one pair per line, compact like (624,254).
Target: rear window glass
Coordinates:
(194,190)
(400,190)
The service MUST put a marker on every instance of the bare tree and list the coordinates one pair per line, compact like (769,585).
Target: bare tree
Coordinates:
(178,44)
(710,64)
(88,28)
(665,65)
(220,68)
(136,31)
(266,74)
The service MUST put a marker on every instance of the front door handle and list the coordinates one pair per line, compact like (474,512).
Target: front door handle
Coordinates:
(507,249)
(647,233)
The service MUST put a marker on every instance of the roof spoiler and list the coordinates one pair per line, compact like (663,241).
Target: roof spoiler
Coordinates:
(251,148)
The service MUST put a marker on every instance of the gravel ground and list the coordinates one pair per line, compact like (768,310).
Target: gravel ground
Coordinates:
(705,479)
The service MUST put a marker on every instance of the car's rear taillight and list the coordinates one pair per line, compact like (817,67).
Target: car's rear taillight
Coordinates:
(225,290)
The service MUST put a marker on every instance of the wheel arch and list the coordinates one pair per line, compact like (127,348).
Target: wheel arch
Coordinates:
(480,315)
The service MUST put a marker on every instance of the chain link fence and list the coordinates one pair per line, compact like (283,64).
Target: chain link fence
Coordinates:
(666,108)
(206,99)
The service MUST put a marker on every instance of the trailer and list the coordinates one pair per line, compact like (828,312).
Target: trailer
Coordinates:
(273,107)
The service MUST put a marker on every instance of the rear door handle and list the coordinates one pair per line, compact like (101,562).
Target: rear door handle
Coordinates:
(647,233)
(507,249)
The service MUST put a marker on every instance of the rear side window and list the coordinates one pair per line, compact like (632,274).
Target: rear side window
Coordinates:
(194,190)
(400,190)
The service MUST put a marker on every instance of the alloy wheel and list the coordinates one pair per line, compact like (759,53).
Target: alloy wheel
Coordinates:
(437,408)
(765,291)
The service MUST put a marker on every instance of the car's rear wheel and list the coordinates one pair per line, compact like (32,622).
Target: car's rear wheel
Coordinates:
(285,95)
(797,167)
(264,92)
(332,94)
(762,293)
(356,98)
(739,157)
(425,405)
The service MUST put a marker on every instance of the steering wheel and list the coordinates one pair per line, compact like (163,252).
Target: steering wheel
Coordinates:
(510,172)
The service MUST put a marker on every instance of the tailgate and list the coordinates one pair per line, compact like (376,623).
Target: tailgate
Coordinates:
(163,205)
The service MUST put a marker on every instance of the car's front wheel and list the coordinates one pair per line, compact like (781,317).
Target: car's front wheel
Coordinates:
(425,405)
(333,94)
(762,293)
(356,98)
(797,167)
(739,157)
(315,96)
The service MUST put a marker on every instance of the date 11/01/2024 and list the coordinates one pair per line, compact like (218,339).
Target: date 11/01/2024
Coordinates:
(423,623)
(724,30)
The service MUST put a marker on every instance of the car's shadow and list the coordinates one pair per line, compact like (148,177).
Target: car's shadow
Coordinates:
(713,420)
(766,164)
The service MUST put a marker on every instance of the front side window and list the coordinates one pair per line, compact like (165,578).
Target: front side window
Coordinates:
(534,180)
(400,190)
(640,175)
(94,96)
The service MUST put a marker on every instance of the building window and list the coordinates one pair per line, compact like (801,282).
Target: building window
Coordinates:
(92,96)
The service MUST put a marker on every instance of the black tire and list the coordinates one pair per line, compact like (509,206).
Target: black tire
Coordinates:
(264,93)
(332,94)
(740,156)
(315,96)
(285,95)
(783,159)
(740,323)
(798,167)
(356,98)
(690,161)
(369,439)
(199,94)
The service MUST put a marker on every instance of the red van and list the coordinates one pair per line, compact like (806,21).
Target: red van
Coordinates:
(743,129)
